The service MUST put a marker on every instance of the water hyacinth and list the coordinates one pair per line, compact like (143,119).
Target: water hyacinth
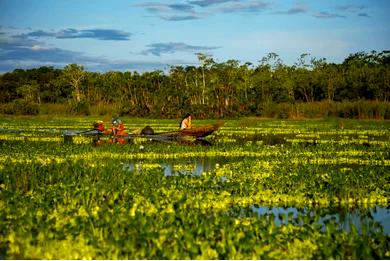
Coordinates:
(266,189)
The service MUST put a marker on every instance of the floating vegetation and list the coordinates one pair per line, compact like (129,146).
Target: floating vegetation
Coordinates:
(266,190)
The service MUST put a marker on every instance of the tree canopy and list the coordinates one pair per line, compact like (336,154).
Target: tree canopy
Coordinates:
(220,89)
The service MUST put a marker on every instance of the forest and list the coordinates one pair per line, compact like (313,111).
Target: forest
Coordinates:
(359,87)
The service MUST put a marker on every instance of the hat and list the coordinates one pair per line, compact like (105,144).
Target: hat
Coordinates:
(115,120)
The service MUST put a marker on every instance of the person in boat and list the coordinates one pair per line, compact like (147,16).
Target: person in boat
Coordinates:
(98,126)
(117,131)
(186,122)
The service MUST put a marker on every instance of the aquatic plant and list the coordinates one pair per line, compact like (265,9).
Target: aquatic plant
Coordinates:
(77,201)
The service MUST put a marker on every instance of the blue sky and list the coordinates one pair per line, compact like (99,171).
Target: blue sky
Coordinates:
(150,35)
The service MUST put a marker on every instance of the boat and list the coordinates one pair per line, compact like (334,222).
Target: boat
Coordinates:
(179,135)
(186,135)
(102,135)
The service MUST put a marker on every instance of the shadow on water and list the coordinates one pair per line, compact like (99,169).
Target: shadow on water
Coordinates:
(201,142)
(266,139)
(374,219)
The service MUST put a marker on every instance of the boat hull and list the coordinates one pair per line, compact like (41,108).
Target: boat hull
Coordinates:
(196,132)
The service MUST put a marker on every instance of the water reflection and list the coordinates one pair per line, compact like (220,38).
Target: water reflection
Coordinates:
(191,167)
(374,219)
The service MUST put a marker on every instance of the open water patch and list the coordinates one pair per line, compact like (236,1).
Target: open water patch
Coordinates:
(373,219)
(189,167)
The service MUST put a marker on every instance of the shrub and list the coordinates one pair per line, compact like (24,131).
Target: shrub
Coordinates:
(79,108)
(20,107)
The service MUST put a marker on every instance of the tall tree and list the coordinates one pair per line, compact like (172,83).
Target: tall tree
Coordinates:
(30,92)
(74,75)
(206,61)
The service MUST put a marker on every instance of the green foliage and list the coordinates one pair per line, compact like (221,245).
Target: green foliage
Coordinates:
(75,201)
(362,110)
(79,108)
(215,90)
(20,107)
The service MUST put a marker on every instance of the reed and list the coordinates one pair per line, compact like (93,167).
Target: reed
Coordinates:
(361,109)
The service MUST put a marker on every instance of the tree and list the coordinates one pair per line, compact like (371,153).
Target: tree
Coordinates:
(333,81)
(284,88)
(206,61)
(207,90)
(304,78)
(245,72)
(74,75)
(30,92)
(223,85)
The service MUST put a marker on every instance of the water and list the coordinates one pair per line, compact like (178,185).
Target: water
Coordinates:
(371,219)
(191,167)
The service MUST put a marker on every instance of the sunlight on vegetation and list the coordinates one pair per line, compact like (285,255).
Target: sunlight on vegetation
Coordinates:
(263,189)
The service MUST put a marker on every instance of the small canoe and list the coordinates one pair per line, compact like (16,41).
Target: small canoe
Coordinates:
(195,132)
(200,132)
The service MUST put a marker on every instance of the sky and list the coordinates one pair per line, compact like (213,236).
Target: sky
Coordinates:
(148,35)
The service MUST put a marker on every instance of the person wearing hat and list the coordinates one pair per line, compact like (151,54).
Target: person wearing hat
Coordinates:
(100,128)
(117,131)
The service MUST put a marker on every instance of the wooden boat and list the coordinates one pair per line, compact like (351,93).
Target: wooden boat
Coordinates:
(200,132)
(195,133)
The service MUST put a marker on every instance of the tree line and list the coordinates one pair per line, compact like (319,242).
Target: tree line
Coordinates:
(211,89)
